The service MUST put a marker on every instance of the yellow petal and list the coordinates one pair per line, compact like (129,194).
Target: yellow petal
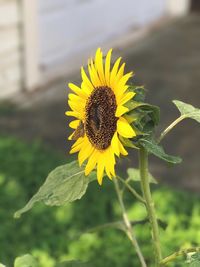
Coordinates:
(74,114)
(93,75)
(121,110)
(114,72)
(109,163)
(121,86)
(70,137)
(91,162)
(122,82)
(100,169)
(119,94)
(85,151)
(86,79)
(119,75)
(77,98)
(76,149)
(85,88)
(120,72)
(124,129)
(112,170)
(126,97)
(99,65)
(77,90)
(77,145)
(112,165)
(122,149)
(115,144)
(107,67)
(79,141)
(107,170)
(74,124)
(76,106)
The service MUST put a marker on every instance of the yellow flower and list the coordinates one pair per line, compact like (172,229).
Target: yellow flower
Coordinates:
(98,108)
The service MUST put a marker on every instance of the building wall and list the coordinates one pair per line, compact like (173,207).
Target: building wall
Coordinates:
(70,29)
(10,52)
(40,39)
(179,7)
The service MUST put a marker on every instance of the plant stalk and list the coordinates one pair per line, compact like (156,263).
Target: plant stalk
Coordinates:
(177,254)
(132,190)
(143,162)
(170,127)
(128,227)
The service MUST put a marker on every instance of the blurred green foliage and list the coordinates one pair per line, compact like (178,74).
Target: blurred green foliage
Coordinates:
(57,234)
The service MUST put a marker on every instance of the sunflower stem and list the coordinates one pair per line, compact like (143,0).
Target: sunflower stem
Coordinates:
(170,127)
(145,185)
(177,254)
(132,190)
(128,227)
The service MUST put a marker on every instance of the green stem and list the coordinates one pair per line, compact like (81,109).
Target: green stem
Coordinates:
(143,160)
(132,190)
(170,127)
(179,253)
(128,227)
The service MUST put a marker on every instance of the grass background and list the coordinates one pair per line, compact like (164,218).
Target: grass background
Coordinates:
(59,233)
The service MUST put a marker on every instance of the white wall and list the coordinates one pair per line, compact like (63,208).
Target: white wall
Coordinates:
(10,55)
(56,32)
(71,28)
(178,7)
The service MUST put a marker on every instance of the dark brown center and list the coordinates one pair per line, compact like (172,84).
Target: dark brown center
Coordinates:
(101,123)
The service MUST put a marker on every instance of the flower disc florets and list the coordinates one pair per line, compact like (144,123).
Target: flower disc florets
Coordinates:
(99,107)
(101,123)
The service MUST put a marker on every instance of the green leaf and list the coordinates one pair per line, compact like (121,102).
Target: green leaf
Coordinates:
(140,92)
(142,115)
(64,184)
(194,264)
(1,265)
(194,260)
(132,104)
(157,150)
(154,112)
(134,115)
(187,110)
(134,175)
(127,142)
(73,264)
(26,261)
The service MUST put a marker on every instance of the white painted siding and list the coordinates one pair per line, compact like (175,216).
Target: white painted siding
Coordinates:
(179,7)
(57,31)
(68,28)
(10,55)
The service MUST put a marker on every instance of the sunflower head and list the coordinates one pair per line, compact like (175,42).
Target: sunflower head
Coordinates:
(98,106)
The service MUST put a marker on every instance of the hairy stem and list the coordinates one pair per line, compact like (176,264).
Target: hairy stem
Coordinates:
(132,190)
(128,227)
(170,127)
(179,253)
(143,160)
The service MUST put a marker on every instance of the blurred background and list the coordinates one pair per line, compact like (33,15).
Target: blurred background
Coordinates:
(42,46)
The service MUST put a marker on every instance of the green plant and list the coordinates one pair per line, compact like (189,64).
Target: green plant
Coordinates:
(68,183)
(111,115)
(47,243)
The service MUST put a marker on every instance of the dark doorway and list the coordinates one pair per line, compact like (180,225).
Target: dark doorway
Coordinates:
(195,5)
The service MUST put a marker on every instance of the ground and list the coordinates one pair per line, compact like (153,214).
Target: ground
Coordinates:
(167,62)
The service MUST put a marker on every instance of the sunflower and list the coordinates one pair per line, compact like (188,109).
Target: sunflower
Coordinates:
(98,106)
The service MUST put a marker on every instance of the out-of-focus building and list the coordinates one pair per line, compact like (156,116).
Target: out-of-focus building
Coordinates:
(41,40)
